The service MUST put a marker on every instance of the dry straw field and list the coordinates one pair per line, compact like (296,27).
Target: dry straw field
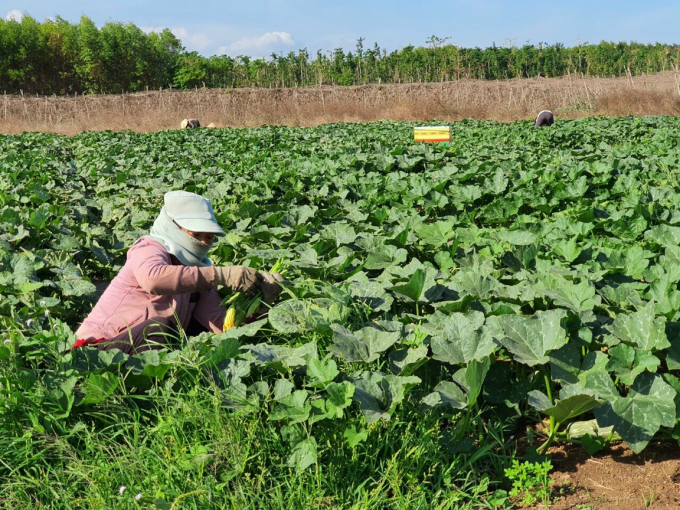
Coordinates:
(568,97)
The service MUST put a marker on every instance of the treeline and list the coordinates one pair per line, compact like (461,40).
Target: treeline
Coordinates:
(58,57)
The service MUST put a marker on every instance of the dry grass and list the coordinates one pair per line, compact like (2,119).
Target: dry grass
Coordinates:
(504,101)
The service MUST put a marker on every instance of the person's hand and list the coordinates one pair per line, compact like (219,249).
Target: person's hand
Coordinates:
(269,286)
(238,278)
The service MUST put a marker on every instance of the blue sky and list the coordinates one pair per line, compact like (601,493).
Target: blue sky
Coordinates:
(260,28)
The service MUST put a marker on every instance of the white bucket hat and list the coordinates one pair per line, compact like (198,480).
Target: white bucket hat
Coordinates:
(192,212)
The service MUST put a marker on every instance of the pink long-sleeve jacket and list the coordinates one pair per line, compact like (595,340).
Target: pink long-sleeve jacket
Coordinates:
(153,283)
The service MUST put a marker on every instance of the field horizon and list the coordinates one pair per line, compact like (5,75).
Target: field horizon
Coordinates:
(569,97)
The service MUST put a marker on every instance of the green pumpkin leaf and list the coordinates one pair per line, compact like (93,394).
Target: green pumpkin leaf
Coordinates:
(638,416)
(435,234)
(99,387)
(531,339)
(304,454)
(463,339)
(320,373)
(564,409)
(642,330)
(363,345)
(627,363)
(413,290)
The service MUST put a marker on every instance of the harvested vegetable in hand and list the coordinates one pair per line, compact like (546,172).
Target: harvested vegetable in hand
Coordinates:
(242,306)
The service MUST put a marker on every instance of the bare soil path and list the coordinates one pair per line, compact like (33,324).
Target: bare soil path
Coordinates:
(616,478)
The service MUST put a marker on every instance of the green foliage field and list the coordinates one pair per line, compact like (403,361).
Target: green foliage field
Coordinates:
(438,296)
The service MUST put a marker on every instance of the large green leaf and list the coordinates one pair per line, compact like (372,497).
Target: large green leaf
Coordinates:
(281,356)
(642,330)
(340,395)
(339,233)
(292,316)
(222,349)
(99,387)
(568,250)
(387,256)
(596,382)
(664,292)
(370,292)
(413,290)
(470,281)
(516,237)
(296,316)
(471,378)
(531,339)
(665,235)
(463,339)
(364,345)
(435,234)
(321,372)
(565,363)
(378,394)
(354,436)
(71,280)
(91,359)
(405,361)
(627,363)
(498,183)
(446,393)
(304,454)
(75,287)
(292,409)
(636,261)
(567,367)
(579,297)
(151,363)
(565,409)
(673,353)
(244,330)
(638,416)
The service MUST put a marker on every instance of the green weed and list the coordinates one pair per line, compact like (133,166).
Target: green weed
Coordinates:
(530,481)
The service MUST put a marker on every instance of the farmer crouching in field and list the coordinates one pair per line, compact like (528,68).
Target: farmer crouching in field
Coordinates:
(168,282)
(544,118)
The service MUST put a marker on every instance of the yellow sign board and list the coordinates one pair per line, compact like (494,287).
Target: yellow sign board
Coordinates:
(437,134)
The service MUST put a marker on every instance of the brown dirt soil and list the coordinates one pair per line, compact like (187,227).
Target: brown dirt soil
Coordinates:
(616,478)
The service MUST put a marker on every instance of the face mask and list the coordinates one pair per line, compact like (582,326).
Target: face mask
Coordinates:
(189,251)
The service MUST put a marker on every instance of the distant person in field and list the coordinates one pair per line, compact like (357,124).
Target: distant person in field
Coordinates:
(544,118)
(190,123)
(168,282)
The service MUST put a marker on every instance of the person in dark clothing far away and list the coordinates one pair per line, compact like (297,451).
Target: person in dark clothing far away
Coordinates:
(544,118)
(190,123)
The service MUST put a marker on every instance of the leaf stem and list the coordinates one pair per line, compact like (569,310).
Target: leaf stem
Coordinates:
(548,391)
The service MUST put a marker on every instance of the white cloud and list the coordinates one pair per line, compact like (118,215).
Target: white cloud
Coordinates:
(206,40)
(267,42)
(192,42)
(15,15)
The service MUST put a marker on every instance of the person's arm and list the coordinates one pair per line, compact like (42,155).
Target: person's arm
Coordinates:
(209,313)
(155,273)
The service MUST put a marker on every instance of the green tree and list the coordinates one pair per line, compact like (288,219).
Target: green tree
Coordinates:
(89,65)
(191,71)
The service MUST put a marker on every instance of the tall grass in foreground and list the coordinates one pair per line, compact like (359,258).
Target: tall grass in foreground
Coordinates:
(176,446)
